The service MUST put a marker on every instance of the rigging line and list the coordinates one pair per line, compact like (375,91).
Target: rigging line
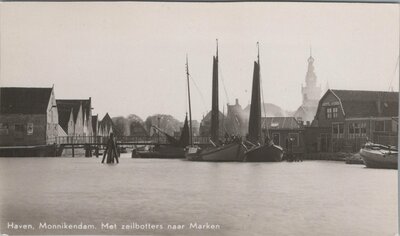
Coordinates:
(199,91)
(186,97)
(261,85)
(223,82)
(262,98)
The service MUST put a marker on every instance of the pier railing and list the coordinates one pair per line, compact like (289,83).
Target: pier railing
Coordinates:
(134,140)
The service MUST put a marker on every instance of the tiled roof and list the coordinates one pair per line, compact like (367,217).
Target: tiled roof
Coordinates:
(74,104)
(24,100)
(358,103)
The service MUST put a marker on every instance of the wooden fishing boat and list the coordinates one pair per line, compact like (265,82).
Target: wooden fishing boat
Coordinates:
(259,150)
(175,149)
(162,152)
(233,151)
(379,156)
(264,153)
(225,153)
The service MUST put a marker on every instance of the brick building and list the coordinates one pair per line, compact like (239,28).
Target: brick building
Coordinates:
(281,129)
(28,116)
(347,118)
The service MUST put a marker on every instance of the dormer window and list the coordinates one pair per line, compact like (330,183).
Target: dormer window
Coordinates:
(331,112)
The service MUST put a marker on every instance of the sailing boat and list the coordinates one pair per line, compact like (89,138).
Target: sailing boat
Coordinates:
(260,149)
(233,151)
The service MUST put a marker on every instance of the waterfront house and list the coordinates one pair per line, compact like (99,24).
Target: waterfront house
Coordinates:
(75,116)
(106,126)
(348,118)
(28,116)
(281,129)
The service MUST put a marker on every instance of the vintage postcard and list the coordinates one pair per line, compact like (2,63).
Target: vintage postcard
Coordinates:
(199,118)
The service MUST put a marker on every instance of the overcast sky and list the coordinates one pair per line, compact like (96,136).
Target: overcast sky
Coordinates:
(130,57)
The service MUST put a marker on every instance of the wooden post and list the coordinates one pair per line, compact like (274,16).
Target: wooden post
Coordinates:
(111,151)
(97,151)
(73,150)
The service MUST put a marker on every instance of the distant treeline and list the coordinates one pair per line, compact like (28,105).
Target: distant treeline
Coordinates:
(133,125)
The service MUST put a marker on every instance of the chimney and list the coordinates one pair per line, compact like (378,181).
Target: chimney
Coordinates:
(236,101)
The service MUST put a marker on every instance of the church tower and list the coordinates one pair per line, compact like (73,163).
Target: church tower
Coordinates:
(311,92)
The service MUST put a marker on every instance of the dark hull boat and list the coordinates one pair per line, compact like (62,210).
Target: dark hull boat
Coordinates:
(31,151)
(233,151)
(378,156)
(162,153)
(264,153)
(227,153)
(261,151)
(175,149)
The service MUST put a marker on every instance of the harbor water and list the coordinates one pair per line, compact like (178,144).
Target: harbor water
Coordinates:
(177,197)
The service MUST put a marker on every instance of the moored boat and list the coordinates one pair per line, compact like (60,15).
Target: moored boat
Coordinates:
(225,153)
(232,151)
(260,150)
(264,153)
(379,156)
(162,152)
(176,148)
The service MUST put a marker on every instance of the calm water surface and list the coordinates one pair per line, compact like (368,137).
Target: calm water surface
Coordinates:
(307,198)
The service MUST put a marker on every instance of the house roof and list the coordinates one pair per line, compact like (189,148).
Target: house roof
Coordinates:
(357,103)
(65,106)
(63,116)
(280,123)
(24,100)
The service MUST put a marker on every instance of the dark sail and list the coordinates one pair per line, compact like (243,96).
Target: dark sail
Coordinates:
(214,107)
(255,108)
(184,140)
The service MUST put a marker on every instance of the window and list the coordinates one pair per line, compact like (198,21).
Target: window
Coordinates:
(357,129)
(295,138)
(19,128)
(3,129)
(338,130)
(335,112)
(29,129)
(379,125)
(383,125)
(388,125)
(329,113)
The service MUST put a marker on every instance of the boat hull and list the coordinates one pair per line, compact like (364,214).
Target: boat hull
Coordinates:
(30,151)
(227,153)
(164,153)
(264,153)
(382,159)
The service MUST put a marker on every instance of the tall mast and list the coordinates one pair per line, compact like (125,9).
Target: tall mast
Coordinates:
(214,106)
(190,107)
